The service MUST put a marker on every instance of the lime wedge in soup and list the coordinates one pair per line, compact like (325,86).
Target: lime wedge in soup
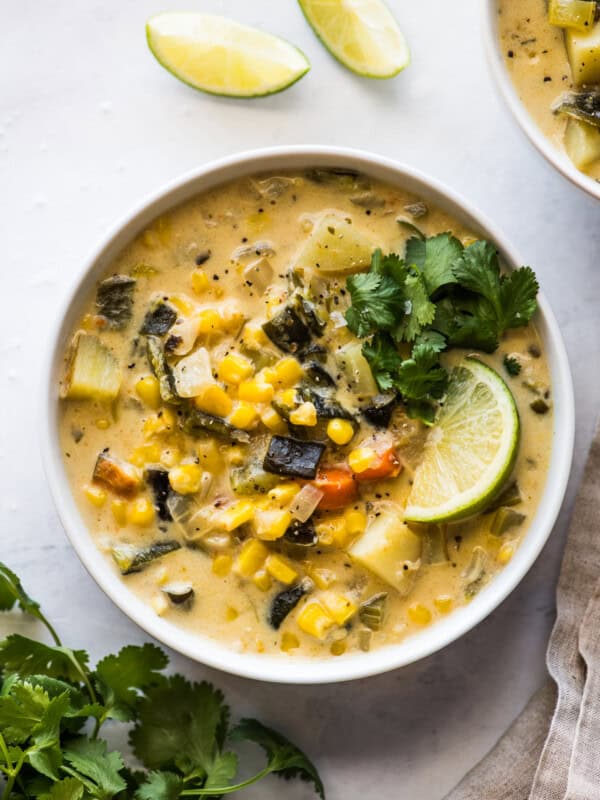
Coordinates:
(362,34)
(471,450)
(220,56)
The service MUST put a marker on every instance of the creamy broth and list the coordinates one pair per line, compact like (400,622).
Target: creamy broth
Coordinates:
(186,258)
(536,58)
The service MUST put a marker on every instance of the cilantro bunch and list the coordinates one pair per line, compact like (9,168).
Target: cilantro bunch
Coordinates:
(440,295)
(53,706)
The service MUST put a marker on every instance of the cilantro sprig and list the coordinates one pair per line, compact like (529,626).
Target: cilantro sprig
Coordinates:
(439,296)
(53,705)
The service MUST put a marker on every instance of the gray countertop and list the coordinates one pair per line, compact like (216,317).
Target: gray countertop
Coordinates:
(89,124)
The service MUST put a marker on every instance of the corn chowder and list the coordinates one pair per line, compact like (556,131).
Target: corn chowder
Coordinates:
(248,398)
(552,53)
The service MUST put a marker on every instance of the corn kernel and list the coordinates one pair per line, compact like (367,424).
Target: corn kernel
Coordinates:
(148,453)
(119,511)
(340,607)
(221,565)
(251,558)
(284,493)
(505,553)
(288,397)
(281,570)
(262,580)
(289,642)
(209,455)
(287,372)
(271,420)
(170,457)
(244,416)
(419,614)
(148,390)
(161,576)
(323,578)
(209,322)
(140,512)
(230,518)
(338,648)
(231,613)
(160,604)
(236,456)
(253,337)
(182,303)
(213,399)
(235,368)
(95,495)
(256,392)
(305,414)
(158,424)
(186,479)
(443,603)
(340,431)
(361,459)
(103,424)
(314,620)
(200,281)
(271,524)
(333,532)
(356,521)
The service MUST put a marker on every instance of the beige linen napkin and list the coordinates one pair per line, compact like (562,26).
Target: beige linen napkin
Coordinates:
(552,751)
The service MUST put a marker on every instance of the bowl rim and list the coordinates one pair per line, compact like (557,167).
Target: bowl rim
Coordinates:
(557,158)
(279,668)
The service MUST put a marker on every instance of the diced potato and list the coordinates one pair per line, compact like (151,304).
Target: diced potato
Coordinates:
(120,476)
(582,143)
(93,373)
(336,245)
(583,49)
(193,373)
(571,13)
(356,369)
(389,549)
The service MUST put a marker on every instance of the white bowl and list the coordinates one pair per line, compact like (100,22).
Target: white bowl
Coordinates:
(557,157)
(281,668)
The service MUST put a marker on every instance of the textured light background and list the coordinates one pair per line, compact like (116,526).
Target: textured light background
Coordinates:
(89,124)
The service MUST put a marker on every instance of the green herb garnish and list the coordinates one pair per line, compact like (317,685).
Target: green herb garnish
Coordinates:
(512,365)
(180,732)
(441,295)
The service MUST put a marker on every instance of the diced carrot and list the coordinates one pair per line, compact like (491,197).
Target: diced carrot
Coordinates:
(338,487)
(386,465)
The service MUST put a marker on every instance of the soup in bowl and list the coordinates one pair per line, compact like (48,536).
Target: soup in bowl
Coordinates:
(304,417)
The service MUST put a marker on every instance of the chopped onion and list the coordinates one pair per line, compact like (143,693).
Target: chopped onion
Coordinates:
(305,502)
(338,319)
(193,373)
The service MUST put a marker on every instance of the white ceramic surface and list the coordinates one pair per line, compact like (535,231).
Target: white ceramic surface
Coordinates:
(282,668)
(88,124)
(558,158)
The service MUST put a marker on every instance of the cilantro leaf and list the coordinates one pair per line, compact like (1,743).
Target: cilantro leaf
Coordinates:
(436,340)
(467,322)
(420,311)
(160,786)
(384,359)
(97,769)
(123,676)
(435,258)
(28,657)
(66,789)
(180,724)
(21,711)
(421,377)
(12,593)
(479,271)
(377,302)
(511,365)
(518,291)
(284,758)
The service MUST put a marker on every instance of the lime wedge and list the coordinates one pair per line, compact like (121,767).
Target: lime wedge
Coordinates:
(219,56)
(362,34)
(471,450)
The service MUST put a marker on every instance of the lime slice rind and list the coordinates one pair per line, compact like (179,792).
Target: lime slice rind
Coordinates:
(221,57)
(471,451)
(361,34)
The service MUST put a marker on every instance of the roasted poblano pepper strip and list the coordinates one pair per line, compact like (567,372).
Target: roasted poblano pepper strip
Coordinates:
(288,330)
(372,612)
(325,402)
(287,456)
(251,478)
(509,496)
(159,319)
(505,518)
(379,412)
(199,423)
(162,370)
(114,300)
(129,559)
(582,105)
(302,534)
(286,601)
(158,480)
(317,374)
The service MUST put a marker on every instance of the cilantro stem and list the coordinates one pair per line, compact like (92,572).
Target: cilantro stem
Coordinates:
(13,772)
(216,790)
(50,628)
